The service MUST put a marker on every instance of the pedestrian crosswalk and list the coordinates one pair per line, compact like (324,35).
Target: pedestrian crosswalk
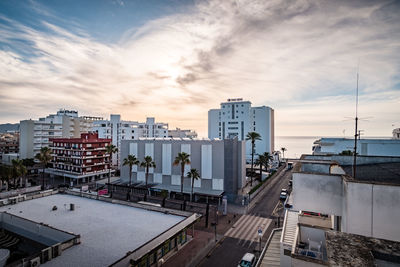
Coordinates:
(245,229)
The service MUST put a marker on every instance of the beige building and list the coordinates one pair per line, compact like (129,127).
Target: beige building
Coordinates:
(35,134)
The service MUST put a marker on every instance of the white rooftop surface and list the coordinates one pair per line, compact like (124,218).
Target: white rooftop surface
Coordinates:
(108,231)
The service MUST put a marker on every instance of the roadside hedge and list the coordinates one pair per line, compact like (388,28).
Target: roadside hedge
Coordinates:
(262,182)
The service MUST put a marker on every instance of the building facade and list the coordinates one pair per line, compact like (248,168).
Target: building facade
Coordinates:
(365,147)
(236,118)
(221,164)
(81,159)
(35,134)
(179,133)
(327,197)
(9,143)
(118,130)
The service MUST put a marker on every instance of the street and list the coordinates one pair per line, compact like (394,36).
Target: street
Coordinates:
(243,237)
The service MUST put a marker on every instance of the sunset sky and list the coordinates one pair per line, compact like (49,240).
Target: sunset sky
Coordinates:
(176,59)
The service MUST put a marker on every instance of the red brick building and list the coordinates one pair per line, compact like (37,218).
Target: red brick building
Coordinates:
(82,159)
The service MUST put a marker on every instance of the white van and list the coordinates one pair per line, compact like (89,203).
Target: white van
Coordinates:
(248,260)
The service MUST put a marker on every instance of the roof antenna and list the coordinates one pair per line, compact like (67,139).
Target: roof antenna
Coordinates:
(356,130)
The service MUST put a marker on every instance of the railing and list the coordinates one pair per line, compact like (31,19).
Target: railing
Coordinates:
(266,246)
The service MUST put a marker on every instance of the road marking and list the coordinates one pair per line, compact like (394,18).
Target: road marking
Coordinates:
(245,229)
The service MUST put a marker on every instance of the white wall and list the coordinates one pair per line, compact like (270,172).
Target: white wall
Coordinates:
(373,210)
(318,193)
(366,209)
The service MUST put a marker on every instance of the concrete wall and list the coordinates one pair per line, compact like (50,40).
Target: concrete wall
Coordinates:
(318,193)
(373,210)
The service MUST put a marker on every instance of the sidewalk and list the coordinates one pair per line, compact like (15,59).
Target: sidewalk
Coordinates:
(193,252)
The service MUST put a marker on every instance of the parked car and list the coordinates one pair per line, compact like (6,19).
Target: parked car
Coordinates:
(283,196)
(248,260)
(290,183)
(284,190)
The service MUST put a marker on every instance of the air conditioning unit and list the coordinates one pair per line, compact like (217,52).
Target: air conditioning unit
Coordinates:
(35,262)
(56,250)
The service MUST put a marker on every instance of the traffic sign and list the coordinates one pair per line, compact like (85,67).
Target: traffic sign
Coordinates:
(259,231)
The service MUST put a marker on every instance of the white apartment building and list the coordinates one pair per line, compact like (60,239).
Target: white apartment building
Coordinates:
(35,134)
(118,130)
(237,118)
(179,133)
(365,147)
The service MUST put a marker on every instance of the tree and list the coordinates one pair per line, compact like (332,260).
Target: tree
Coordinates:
(148,163)
(6,174)
(18,170)
(182,159)
(44,156)
(130,161)
(110,149)
(260,162)
(194,175)
(252,136)
(283,151)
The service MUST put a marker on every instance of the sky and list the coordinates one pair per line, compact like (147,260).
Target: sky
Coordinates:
(175,59)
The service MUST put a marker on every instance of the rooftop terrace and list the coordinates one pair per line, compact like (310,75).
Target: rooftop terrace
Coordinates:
(345,249)
(108,231)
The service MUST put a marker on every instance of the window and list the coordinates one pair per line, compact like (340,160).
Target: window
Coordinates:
(233,128)
(133,131)
(232,122)
(103,125)
(254,123)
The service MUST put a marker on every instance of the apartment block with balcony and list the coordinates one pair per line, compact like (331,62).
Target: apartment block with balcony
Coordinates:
(81,159)
(35,134)
(118,130)
(236,118)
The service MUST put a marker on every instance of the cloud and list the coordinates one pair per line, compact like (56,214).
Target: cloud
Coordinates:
(299,57)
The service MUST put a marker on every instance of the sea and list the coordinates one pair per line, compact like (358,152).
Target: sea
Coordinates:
(295,145)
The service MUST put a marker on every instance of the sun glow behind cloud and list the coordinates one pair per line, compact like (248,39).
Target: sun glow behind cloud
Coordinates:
(298,57)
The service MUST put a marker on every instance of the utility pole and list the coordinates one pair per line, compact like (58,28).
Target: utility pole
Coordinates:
(355,135)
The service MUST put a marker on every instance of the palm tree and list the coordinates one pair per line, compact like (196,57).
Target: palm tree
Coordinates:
(130,161)
(260,162)
(253,136)
(110,149)
(5,173)
(44,156)
(283,151)
(18,169)
(182,159)
(194,175)
(148,163)
(267,159)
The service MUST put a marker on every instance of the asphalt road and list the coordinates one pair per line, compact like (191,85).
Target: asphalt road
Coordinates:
(230,251)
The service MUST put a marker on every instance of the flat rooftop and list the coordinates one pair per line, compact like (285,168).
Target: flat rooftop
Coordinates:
(378,172)
(108,231)
(346,249)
